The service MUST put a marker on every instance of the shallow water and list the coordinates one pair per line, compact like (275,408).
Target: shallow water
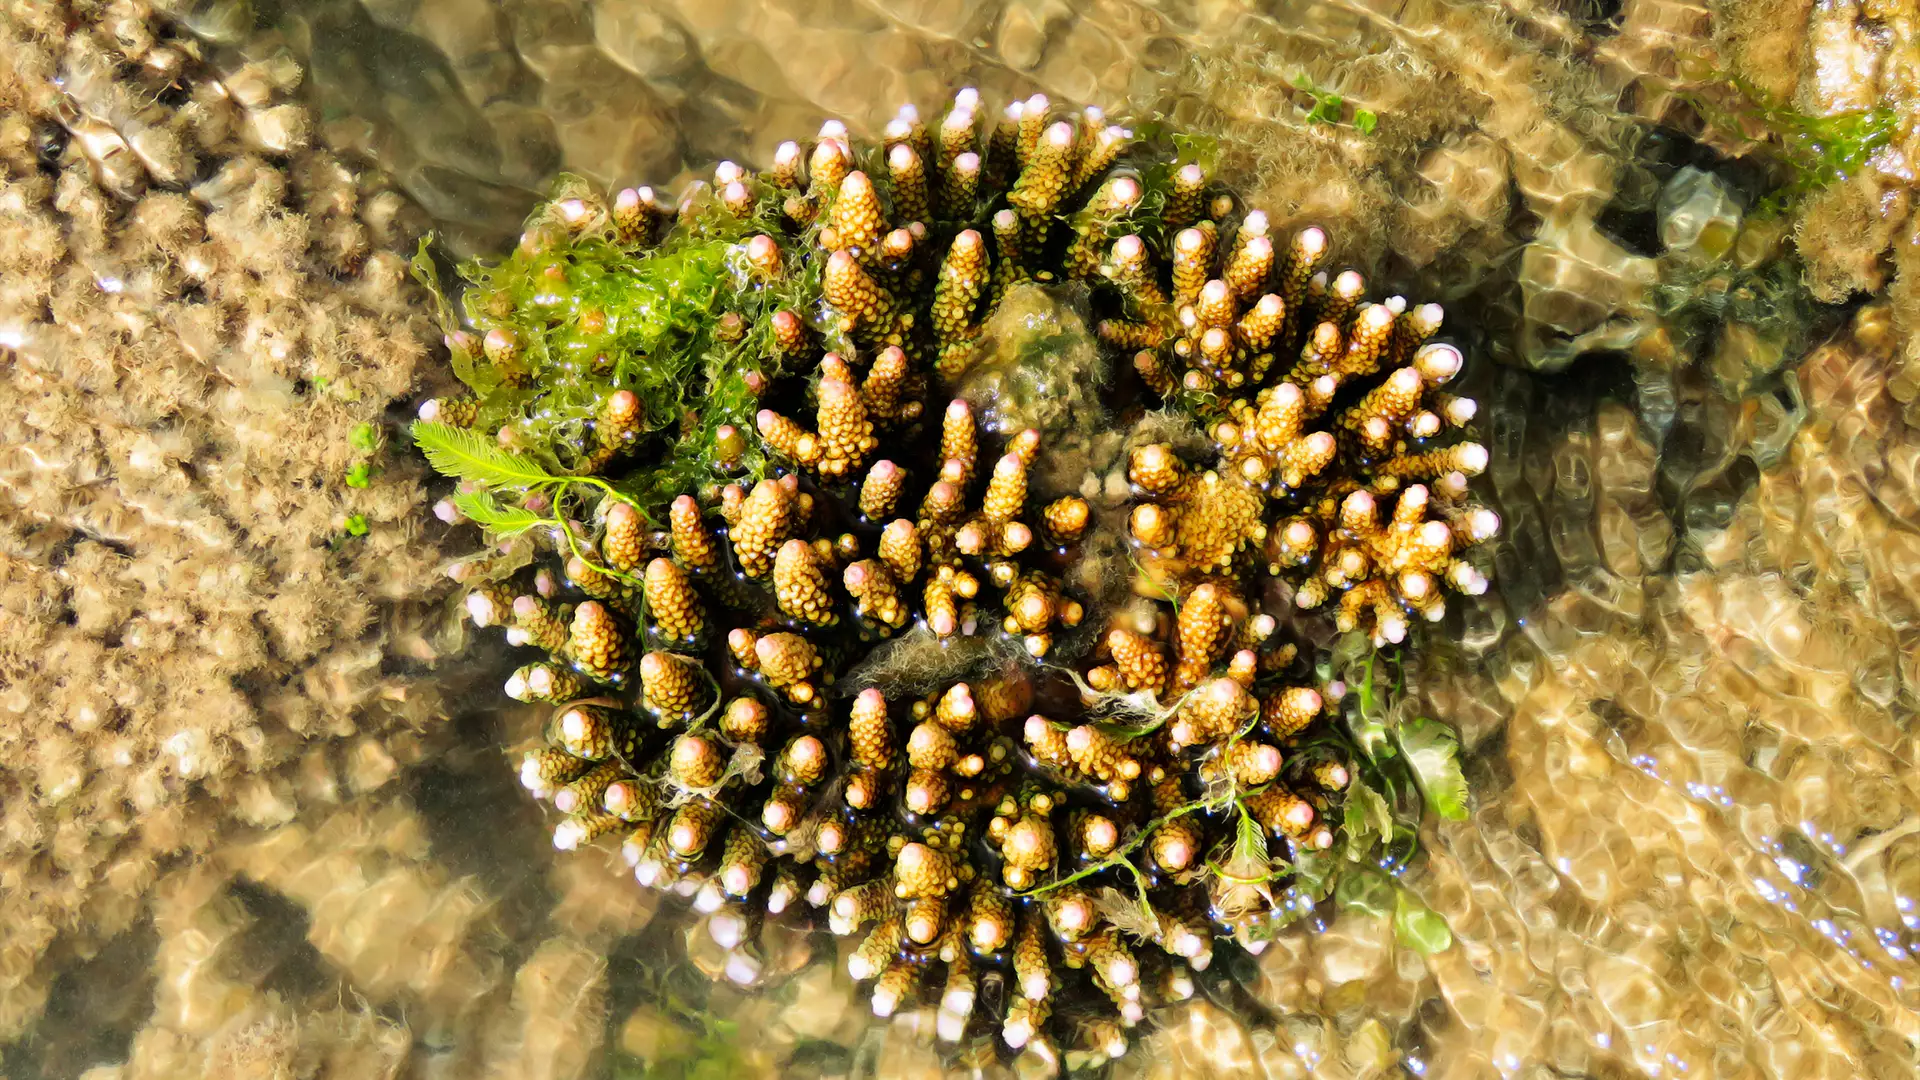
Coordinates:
(1695,844)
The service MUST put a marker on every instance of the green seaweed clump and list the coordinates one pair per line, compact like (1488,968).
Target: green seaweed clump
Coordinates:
(1817,151)
(574,315)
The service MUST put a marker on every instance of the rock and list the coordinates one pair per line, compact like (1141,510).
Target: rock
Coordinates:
(1037,366)
(1698,216)
(642,39)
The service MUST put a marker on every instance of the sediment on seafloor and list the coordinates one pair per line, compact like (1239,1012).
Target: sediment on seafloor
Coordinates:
(219,603)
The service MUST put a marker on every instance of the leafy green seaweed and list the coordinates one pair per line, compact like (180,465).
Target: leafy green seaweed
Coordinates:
(586,315)
(500,521)
(707,1047)
(1403,767)
(1366,816)
(473,459)
(468,455)
(1818,151)
(1369,892)
(1250,840)
(1432,751)
(1418,926)
(1331,108)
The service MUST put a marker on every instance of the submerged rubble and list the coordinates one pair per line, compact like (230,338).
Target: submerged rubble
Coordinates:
(210,565)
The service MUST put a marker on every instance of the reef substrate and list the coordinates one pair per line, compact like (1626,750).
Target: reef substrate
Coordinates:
(819,635)
(217,605)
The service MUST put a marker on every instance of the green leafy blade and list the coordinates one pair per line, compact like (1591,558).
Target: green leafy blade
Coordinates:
(1315,873)
(1367,818)
(1250,841)
(1201,149)
(1433,751)
(1128,732)
(1418,926)
(501,521)
(427,275)
(1367,891)
(1369,732)
(469,455)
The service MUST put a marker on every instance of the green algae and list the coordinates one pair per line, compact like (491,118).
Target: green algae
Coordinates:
(367,444)
(592,314)
(1331,108)
(487,469)
(1402,767)
(1816,151)
(1405,766)
(682,323)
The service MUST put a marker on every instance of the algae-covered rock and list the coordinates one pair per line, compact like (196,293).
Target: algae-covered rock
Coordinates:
(1037,365)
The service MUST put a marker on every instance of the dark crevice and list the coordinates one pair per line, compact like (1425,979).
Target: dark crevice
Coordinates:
(93,1010)
(274,951)
(58,554)
(50,145)
(1635,228)
(475,784)
(1599,18)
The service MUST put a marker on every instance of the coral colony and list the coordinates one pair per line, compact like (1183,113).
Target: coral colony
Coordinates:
(729,422)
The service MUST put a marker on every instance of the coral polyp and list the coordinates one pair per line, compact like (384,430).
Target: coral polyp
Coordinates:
(820,639)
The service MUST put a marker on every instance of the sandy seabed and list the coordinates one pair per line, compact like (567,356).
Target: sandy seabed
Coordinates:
(256,815)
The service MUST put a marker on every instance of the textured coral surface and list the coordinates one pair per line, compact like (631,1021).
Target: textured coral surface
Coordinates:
(200,310)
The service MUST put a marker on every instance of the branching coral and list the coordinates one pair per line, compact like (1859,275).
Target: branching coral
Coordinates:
(1067,827)
(1392,440)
